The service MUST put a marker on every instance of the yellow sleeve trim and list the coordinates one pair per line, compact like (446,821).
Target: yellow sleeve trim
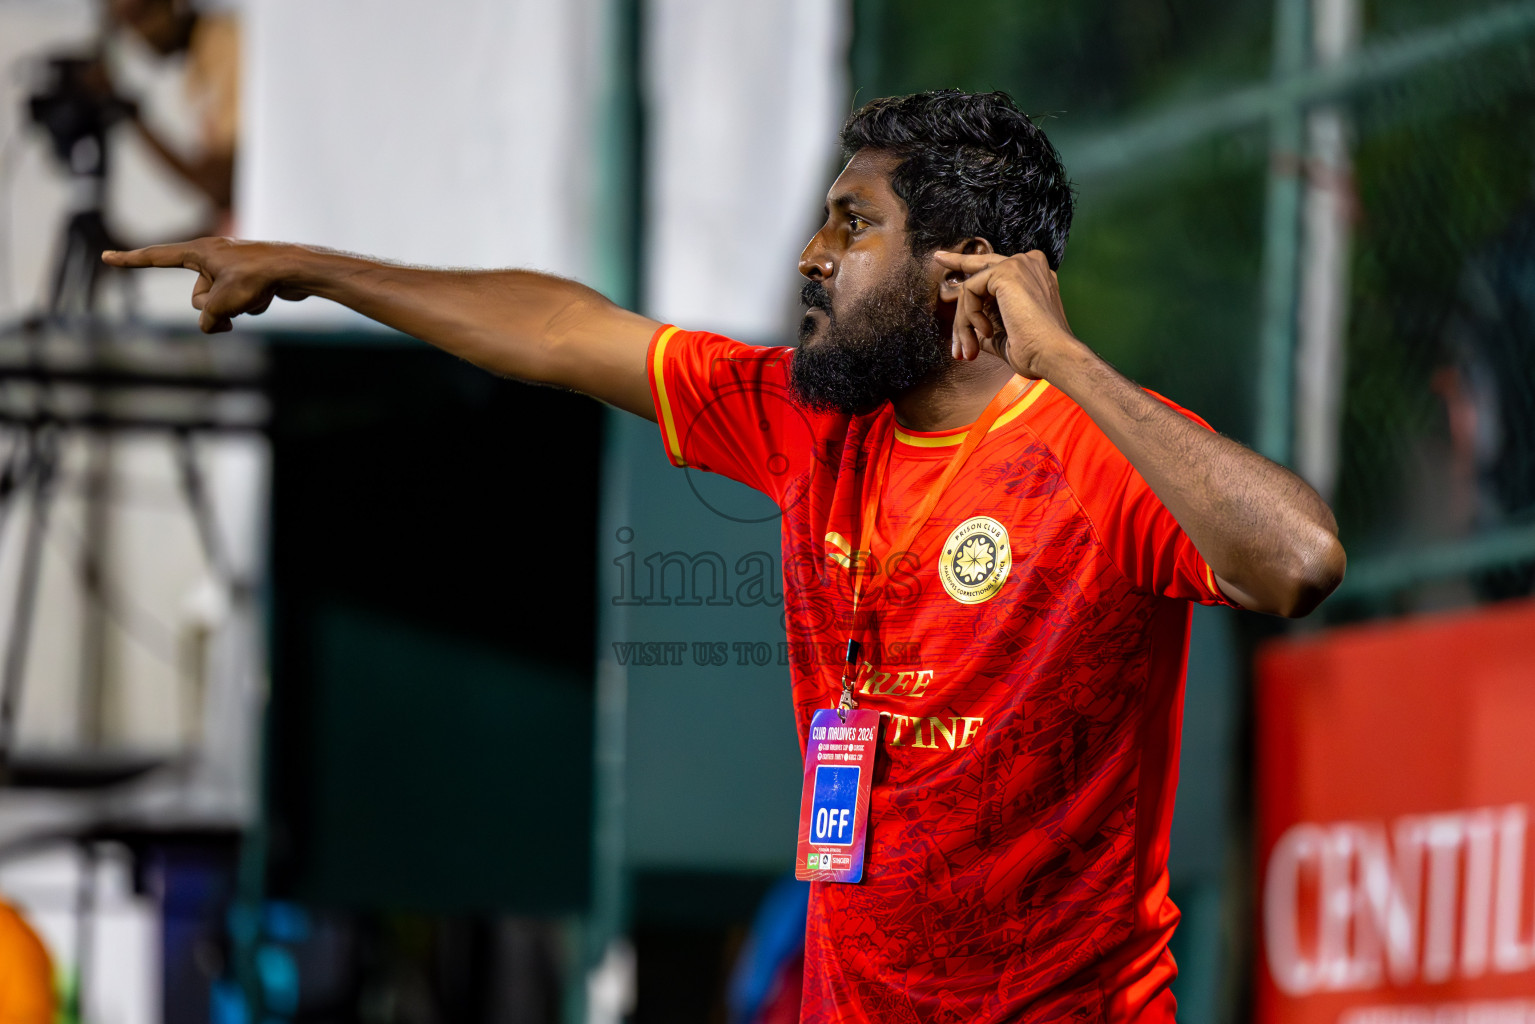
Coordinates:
(663,404)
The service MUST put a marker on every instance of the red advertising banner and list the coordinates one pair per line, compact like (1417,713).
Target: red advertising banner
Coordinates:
(1396,787)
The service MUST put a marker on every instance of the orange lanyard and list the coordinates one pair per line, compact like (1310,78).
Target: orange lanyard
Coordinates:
(874,483)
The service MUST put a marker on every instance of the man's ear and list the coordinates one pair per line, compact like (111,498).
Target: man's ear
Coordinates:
(948,284)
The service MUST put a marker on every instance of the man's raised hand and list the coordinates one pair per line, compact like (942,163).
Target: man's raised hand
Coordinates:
(233,277)
(1019,293)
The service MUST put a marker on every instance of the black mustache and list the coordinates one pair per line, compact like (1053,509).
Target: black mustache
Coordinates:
(813,296)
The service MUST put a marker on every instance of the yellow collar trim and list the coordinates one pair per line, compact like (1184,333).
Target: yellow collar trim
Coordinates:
(954,437)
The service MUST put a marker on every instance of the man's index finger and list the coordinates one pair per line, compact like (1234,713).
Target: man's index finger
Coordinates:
(156,256)
(968,263)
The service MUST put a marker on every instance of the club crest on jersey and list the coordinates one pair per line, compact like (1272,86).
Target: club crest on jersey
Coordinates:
(976,560)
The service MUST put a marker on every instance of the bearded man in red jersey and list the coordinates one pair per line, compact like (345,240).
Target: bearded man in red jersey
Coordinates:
(960,477)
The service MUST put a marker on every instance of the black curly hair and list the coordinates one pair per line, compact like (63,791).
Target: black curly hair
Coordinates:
(972,165)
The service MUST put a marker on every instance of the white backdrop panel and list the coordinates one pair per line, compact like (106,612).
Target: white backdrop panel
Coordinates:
(745,103)
(455,133)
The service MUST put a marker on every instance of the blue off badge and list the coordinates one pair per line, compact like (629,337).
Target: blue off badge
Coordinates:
(832,809)
(834,802)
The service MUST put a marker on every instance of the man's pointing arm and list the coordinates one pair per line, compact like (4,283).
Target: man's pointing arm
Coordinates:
(516,323)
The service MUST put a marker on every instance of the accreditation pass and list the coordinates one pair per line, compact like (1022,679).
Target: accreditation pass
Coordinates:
(834,806)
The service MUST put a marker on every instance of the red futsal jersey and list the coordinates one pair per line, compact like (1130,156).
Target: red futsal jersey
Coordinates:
(1028,655)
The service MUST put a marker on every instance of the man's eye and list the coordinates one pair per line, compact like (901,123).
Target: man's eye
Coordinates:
(854,223)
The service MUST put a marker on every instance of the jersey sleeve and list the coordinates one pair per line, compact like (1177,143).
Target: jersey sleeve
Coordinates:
(1143,539)
(725,407)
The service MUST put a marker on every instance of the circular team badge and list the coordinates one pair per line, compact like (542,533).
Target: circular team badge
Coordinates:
(976,560)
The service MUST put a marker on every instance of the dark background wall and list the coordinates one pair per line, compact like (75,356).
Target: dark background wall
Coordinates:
(433,567)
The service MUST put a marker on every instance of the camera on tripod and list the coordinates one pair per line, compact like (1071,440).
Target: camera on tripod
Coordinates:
(76,105)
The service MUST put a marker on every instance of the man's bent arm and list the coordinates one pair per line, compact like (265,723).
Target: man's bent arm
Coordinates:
(516,323)
(1270,540)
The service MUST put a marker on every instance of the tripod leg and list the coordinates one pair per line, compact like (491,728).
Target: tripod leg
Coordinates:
(95,239)
(194,490)
(12,477)
(61,270)
(78,267)
(93,620)
(44,457)
(85,914)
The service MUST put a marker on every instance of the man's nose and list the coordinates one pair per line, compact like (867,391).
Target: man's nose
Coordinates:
(816,262)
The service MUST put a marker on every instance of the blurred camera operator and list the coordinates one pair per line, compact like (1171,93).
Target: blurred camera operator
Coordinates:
(210,44)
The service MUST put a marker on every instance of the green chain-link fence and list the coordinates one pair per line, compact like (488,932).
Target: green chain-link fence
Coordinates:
(1196,131)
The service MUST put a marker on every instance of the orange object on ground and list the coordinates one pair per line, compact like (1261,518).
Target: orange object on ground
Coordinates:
(26,972)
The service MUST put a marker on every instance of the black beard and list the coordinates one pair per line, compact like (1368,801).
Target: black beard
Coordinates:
(890,341)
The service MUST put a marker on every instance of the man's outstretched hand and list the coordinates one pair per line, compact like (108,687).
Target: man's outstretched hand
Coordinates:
(233,277)
(1009,306)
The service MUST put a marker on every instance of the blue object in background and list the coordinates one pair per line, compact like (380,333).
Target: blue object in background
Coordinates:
(284,922)
(279,979)
(275,930)
(777,935)
(227,1004)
